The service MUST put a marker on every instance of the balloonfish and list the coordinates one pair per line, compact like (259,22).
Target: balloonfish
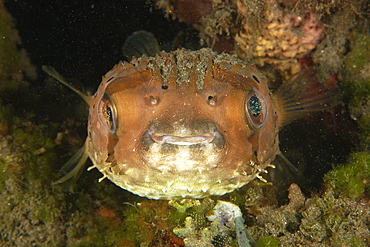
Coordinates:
(189,124)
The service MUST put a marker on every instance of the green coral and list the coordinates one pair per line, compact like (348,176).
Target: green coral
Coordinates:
(214,223)
(268,241)
(104,233)
(351,179)
(149,223)
(196,234)
(32,151)
(356,63)
(356,83)
(38,150)
(335,219)
(4,112)
(364,124)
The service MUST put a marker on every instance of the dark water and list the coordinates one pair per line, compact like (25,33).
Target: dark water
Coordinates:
(82,40)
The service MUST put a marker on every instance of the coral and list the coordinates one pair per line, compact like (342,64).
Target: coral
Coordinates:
(30,212)
(351,179)
(217,28)
(36,213)
(215,20)
(208,224)
(184,204)
(229,217)
(288,35)
(194,235)
(329,55)
(268,241)
(225,213)
(280,38)
(30,216)
(151,223)
(356,78)
(33,212)
(322,219)
(338,221)
(189,11)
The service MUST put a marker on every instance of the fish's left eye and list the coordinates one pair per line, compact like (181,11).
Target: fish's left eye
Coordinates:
(256,109)
(107,114)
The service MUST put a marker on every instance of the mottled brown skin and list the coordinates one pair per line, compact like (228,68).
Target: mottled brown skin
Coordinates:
(198,100)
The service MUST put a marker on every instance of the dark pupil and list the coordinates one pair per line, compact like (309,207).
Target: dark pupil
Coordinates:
(108,114)
(254,106)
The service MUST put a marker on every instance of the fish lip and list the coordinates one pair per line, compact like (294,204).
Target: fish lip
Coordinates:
(183,140)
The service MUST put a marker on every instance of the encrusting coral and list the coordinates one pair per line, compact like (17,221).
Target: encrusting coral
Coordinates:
(280,38)
(289,35)
(323,219)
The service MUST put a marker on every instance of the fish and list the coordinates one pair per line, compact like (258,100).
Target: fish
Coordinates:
(189,124)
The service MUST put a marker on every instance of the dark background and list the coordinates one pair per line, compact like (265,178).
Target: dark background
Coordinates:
(83,39)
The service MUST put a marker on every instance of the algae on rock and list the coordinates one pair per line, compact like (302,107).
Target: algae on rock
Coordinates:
(356,86)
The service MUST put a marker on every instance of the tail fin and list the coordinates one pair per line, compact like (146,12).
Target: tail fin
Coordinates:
(302,94)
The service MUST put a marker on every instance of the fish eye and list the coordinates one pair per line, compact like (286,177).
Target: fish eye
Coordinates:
(256,109)
(107,114)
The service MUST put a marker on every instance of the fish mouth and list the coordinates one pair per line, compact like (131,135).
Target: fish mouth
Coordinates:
(183,140)
(177,137)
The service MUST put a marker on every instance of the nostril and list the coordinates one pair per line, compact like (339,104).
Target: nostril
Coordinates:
(153,100)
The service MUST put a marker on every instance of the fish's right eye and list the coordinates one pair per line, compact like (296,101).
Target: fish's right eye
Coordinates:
(107,114)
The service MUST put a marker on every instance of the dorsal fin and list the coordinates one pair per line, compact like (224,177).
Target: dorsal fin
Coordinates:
(139,43)
(53,73)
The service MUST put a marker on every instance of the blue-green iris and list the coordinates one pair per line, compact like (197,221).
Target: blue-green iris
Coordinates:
(254,106)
